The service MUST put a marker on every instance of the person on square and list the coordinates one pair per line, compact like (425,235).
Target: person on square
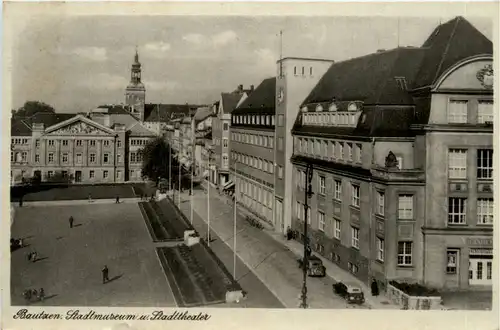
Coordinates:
(105,274)
(117,200)
(71,220)
(41,294)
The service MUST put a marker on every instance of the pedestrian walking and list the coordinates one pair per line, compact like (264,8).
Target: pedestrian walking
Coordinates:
(90,198)
(33,256)
(105,274)
(21,201)
(41,294)
(71,220)
(117,200)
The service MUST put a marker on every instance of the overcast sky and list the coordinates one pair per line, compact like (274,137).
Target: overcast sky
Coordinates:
(77,63)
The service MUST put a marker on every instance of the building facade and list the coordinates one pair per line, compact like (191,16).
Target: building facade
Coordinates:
(252,150)
(403,162)
(296,78)
(221,131)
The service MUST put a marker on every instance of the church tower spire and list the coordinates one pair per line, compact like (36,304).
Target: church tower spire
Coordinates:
(135,93)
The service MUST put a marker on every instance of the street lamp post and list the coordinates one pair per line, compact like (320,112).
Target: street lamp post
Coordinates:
(234,218)
(307,194)
(169,169)
(208,196)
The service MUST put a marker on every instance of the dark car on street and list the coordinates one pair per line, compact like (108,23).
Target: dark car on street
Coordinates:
(315,267)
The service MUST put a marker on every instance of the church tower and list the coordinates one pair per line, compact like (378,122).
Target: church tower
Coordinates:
(135,93)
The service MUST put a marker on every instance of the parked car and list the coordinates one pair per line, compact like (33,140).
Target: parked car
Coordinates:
(350,292)
(315,267)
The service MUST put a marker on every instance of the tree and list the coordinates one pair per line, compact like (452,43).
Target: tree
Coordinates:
(31,107)
(155,160)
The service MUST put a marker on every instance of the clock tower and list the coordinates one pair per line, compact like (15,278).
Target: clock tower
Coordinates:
(135,93)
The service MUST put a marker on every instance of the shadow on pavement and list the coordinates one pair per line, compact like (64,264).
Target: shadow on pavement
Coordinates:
(40,259)
(114,278)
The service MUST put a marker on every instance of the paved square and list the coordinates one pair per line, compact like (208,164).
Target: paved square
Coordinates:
(71,260)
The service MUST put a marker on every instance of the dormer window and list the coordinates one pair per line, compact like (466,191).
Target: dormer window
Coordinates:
(401,81)
(333,107)
(319,108)
(304,109)
(352,107)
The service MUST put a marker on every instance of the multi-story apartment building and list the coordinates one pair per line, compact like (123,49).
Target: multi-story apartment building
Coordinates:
(101,146)
(252,150)
(296,78)
(202,123)
(221,130)
(401,146)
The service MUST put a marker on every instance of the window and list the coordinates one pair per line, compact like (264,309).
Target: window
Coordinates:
(295,70)
(92,143)
(341,151)
(380,202)
(355,237)
(225,160)
(484,163)
(271,142)
(322,185)
(225,126)
(51,143)
(50,174)
(37,143)
(225,143)
(359,149)
(272,120)
(280,143)
(298,210)
(119,143)
(91,174)
(281,120)
(105,174)
(457,112)
(106,143)
(51,157)
(338,190)
(24,156)
(311,71)
(119,158)
(92,158)
(118,174)
(485,211)
(404,253)
(105,158)
(485,111)
(405,207)
(64,142)
(260,164)
(355,195)
(457,163)
(37,158)
(280,172)
(65,157)
(349,152)
(380,249)
(321,221)
(352,267)
(337,230)
(452,261)
(64,174)
(78,143)
(78,158)
(457,210)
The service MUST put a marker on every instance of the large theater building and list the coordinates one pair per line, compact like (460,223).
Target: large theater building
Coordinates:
(402,156)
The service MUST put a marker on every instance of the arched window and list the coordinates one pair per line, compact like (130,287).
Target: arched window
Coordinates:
(333,107)
(319,108)
(304,109)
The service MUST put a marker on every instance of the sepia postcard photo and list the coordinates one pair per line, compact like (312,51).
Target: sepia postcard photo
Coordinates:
(211,163)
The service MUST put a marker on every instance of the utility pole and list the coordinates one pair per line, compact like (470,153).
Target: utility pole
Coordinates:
(305,265)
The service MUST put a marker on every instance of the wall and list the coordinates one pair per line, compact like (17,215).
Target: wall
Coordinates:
(295,88)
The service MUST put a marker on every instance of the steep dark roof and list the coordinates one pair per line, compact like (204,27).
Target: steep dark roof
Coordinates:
(448,44)
(369,78)
(202,113)
(167,112)
(373,122)
(262,99)
(23,126)
(230,100)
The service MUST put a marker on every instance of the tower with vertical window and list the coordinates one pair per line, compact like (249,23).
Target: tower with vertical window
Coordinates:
(135,93)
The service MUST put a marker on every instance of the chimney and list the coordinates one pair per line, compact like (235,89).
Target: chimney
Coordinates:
(251,88)
(380,50)
(240,88)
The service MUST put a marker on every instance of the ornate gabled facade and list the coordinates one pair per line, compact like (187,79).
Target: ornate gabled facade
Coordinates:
(401,145)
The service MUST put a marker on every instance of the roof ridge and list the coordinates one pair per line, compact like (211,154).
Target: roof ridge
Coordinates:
(436,74)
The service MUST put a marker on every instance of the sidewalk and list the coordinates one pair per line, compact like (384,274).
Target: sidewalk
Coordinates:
(332,270)
(77,202)
(271,261)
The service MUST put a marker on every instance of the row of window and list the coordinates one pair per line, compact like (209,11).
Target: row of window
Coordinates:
(92,158)
(341,118)
(257,163)
(457,211)
(18,141)
(138,142)
(457,163)
(256,139)
(458,111)
(296,71)
(262,120)
(337,150)
(79,143)
(92,174)
(255,192)
(225,142)
(136,157)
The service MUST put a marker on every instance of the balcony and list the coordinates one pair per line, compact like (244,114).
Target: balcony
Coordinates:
(395,174)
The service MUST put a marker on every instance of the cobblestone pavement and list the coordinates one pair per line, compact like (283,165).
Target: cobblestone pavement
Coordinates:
(71,260)
(274,264)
